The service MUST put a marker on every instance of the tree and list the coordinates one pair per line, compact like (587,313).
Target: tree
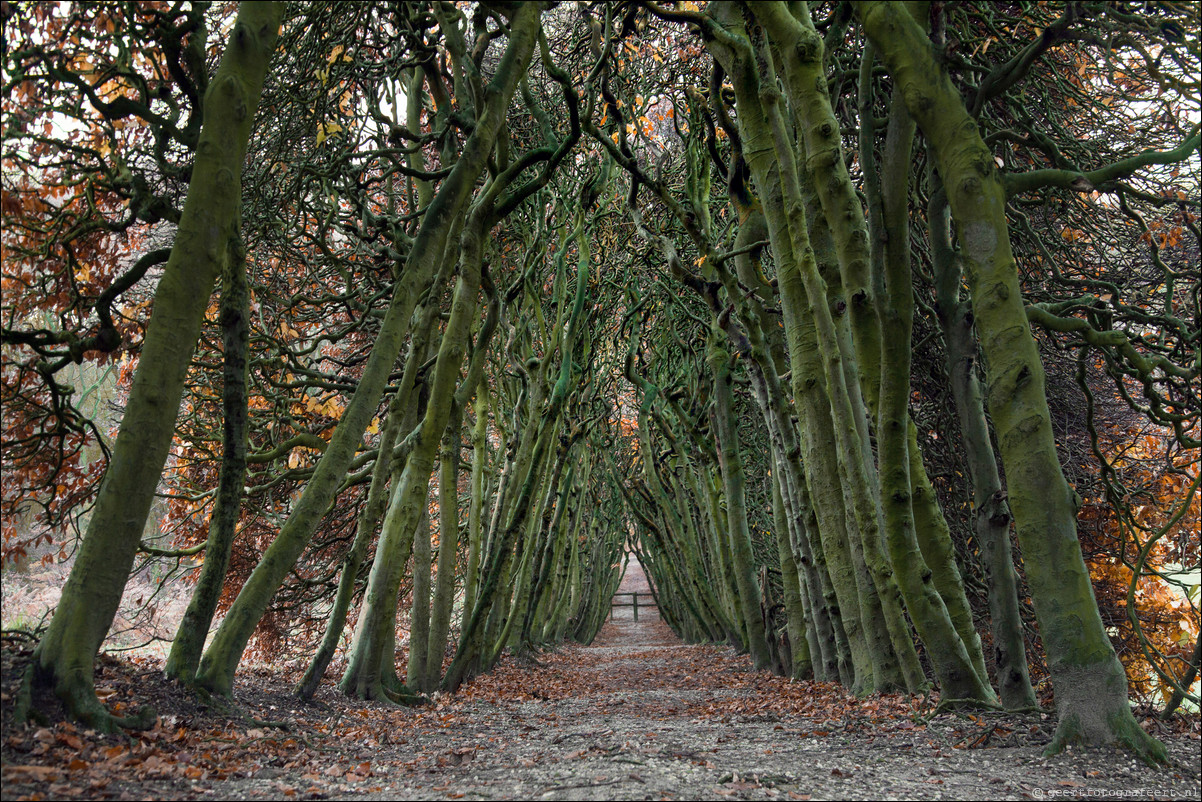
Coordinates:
(1092,701)
(205,241)
(692,284)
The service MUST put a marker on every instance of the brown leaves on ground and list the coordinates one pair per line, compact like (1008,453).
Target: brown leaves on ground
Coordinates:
(306,750)
(632,681)
(666,665)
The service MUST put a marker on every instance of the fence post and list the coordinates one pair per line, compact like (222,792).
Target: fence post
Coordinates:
(634,598)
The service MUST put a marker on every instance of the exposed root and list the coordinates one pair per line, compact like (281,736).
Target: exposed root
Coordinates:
(79,702)
(23,709)
(1124,731)
(231,710)
(404,697)
(959,705)
(85,707)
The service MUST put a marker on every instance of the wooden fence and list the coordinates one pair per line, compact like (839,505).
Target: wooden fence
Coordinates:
(633,603)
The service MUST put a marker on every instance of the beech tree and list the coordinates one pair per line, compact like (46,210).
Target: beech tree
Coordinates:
(510,292)
(205,241)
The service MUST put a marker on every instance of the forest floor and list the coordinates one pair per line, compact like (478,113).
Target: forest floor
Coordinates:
(636,715)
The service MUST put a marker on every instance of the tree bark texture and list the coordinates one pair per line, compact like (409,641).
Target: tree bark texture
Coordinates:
(65,657)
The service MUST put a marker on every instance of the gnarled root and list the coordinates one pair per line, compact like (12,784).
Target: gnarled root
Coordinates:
(79,700)
(1119,728)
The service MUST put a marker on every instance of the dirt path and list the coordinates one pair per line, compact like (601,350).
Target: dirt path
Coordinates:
(637,715)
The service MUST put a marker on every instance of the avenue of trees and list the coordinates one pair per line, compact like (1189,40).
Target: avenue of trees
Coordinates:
(870,328)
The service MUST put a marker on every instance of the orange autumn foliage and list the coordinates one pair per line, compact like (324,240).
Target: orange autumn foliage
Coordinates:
(1150,507)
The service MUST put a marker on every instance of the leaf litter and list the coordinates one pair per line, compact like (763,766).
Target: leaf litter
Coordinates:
(636,715)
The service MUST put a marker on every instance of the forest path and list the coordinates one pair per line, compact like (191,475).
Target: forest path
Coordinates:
(636,715)
(641,715)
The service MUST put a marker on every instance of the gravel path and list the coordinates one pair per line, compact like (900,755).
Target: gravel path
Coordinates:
(646,717)
(637,715)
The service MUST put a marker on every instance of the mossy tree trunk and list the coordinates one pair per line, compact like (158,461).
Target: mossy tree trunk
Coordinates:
(234,316)
(209,224)
(1089,680)
(476,649)
(409,498)
(733,482)
(799,626)
(425,677)
(405,410)
(801,52)
(764,134)
(478,485)
(959,679)
(419,611)
(221,660)
(448,549)
(365,530)
(991,513)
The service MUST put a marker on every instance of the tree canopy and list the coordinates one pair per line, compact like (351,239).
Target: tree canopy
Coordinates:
(870,328)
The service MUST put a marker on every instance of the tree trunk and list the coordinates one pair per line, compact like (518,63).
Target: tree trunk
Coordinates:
(1090,683)
(736,506)
(991,513)
(419,611)
(409,499)
(799,626)
(235,323)
(221,661)
(958,678)
(365,530)
(477,504)
(448,550)
(66,655)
